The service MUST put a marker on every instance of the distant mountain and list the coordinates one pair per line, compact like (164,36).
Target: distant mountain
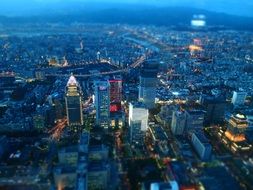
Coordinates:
(159,16)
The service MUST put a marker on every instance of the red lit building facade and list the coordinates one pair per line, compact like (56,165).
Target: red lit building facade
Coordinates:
(115,95)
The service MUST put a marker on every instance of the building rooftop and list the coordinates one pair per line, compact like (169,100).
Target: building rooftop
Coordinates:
(158,133)
(201,137)
(72,81)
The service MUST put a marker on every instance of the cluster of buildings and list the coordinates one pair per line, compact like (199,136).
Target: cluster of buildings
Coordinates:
(84,166)
(172,119)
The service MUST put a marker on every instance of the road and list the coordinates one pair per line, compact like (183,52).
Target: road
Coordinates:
(56,132)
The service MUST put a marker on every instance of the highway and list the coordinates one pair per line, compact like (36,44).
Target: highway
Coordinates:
(56,131)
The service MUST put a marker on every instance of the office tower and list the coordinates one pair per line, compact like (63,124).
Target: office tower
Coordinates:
(215,109)
(194,120)
(236,128)
(166,114)
(138,122)
(201,145)
(102,103)
(115,94)
(73,102)
(178,122)
(148,81)
(238,98)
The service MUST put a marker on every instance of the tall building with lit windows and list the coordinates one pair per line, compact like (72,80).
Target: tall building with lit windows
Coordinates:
(115,94)
(73,100)
(138,122)
(148,82)
(102,103)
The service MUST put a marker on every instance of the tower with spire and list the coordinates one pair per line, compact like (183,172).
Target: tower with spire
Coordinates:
(73,100)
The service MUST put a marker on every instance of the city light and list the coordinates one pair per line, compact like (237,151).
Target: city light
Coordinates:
(126,94)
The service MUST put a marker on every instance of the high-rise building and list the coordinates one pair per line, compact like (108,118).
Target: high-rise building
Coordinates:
(178,122)
(138,122)
(194,120)
(215,109)
(148,82)
(73,101)
(201,145)
(115,94)
(102,103)
(238,98)
(236,128)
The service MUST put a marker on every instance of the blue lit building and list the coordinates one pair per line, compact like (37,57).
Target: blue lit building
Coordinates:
(201,145)
(102,103)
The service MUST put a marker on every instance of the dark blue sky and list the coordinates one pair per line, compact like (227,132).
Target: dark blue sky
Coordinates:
(26,7)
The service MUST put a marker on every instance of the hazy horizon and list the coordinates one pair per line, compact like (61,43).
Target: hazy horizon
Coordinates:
(37,7)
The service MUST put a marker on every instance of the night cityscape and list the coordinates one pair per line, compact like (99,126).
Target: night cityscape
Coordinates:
(129,95)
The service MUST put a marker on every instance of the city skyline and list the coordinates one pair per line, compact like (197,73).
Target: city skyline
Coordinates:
(125,96)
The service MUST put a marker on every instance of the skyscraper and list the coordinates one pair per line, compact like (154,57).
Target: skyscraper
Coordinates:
(116,114)
(115,94)
(194,120)
(102,103)
(215,109)
(73,101)
(178,122)
(138,122)
(148,81)
(201,145)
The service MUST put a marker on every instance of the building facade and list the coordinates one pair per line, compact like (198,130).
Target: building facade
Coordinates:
(138,121)
(238,98)
(102,103)
(178,122)
(148,82)
(194,120)
(201,145)
(73,100)
(115,94)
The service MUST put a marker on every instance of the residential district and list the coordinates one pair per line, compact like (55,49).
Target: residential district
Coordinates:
(96,106)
